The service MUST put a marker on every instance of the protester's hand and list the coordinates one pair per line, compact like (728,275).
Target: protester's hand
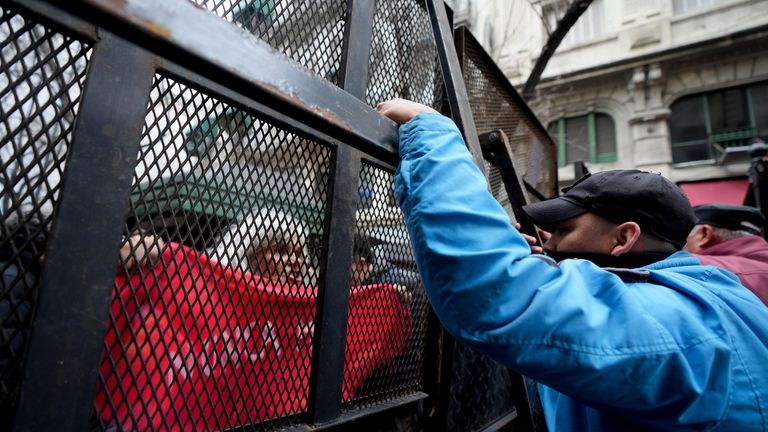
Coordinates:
(544,235)
(402,111)
(139,250)
(405,294)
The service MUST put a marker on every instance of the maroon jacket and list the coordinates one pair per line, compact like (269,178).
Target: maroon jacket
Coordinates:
(747,257)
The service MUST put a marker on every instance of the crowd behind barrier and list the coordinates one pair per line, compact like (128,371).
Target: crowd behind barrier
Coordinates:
(205,345)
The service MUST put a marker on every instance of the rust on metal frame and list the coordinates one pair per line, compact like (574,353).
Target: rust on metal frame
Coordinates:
(265,72)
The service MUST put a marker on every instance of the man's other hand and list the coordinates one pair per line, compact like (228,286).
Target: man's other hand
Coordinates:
(544,235)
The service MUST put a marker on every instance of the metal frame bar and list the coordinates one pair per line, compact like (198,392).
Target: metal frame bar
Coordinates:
(503,420)
(444,357)
(329,343)
(250,74)
(352,79)
(463,33)
(459,41)
(496,150)
(579,170)
(59,19)
(458,100)
(347,421)
(250,66)
(231,96)
(356,54)
(440,383)
(76,285)
(523,415)
(50,15)
(333,297)
(494,68)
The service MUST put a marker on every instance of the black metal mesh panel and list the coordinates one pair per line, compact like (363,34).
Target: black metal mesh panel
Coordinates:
(493,107)
(309,31)
(404,60)
(397,314)
(496,184)
(211,322)
(41,78)
(481,391)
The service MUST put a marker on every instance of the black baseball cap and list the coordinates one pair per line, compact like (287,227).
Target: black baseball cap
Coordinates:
(732,217)
(649,199)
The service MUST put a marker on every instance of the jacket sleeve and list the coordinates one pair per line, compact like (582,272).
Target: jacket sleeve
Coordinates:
(572,326)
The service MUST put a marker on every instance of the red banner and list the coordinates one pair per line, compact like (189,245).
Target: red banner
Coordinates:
(194,345)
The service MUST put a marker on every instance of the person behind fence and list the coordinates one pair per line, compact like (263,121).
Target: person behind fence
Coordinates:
(22,252)
(363,270)
(638,336)
(729,236)
(273,244)
(269,243)
(239,316)
(374,262)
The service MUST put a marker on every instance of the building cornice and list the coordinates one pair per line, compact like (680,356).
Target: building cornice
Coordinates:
(744,37)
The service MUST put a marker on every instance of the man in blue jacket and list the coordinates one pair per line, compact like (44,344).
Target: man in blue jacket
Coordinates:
(639,336)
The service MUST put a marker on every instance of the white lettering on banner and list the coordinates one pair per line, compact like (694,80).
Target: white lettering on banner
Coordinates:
(304,330)
(269,336)
(224,349)
(182,369)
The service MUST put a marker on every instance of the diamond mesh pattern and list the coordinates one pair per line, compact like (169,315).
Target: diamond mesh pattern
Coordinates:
(310,32)
(383,255)
(41,78)
(499,191)
(404,60)
(211,323)
(494,108)
(481,390)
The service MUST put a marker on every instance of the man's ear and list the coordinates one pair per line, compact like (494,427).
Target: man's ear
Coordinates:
(625,237)
(705,236)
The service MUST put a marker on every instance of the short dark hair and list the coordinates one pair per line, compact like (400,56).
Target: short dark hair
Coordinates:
(362,248)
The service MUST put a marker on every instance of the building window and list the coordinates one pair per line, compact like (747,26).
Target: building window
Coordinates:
(589,26)
(702,125)
(588,138)
(685,6)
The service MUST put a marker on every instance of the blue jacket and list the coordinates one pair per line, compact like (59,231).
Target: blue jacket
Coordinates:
(684,347)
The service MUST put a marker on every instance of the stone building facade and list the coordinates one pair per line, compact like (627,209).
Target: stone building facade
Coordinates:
(661,85)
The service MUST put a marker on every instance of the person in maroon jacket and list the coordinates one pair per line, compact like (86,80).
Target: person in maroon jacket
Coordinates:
(729,236)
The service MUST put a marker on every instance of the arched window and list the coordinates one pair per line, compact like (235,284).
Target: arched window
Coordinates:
(702,125)
(588,138)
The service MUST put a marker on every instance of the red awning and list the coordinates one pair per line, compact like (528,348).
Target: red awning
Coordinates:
(731,191)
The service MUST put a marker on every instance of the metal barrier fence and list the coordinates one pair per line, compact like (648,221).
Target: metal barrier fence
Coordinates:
(484,394)
(496,105)
(179,183)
